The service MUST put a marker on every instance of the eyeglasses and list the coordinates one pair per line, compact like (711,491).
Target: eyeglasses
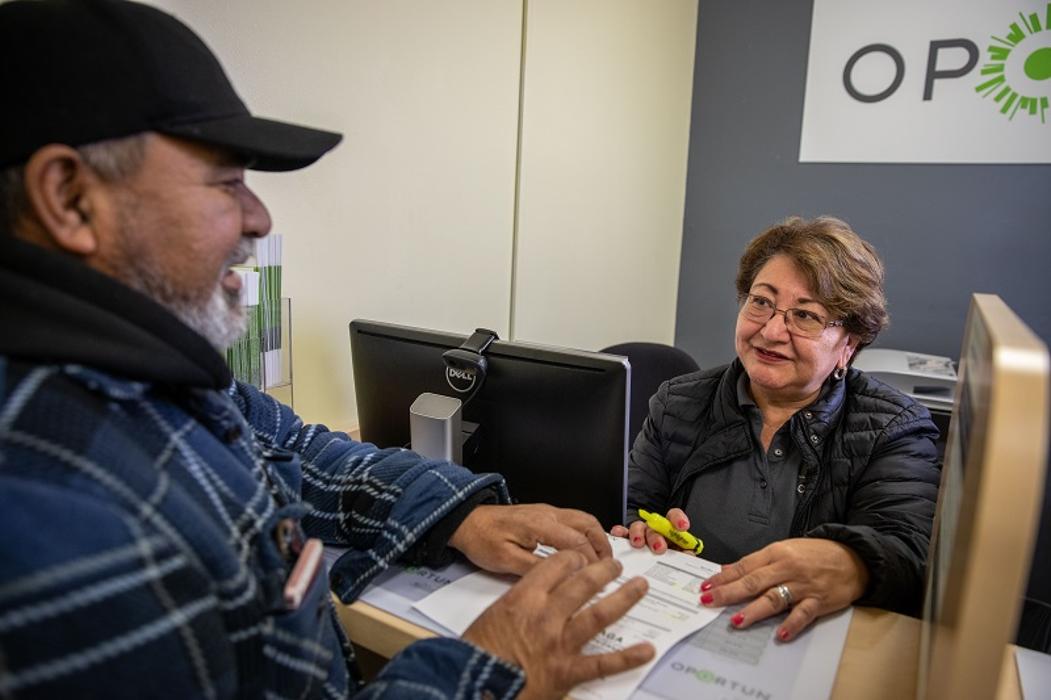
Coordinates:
(801,322)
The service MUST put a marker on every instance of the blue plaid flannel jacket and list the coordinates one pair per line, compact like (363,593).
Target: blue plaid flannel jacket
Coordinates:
(137,558)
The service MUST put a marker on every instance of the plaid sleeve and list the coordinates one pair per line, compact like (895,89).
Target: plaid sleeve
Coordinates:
(377,502)
(445,668)
(93,605)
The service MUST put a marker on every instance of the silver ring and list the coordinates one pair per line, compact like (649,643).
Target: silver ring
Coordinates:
(786,595)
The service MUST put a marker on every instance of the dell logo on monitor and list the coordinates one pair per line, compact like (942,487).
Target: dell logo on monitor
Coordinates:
(461,380)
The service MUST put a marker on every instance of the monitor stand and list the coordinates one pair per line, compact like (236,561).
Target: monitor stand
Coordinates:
(435,428)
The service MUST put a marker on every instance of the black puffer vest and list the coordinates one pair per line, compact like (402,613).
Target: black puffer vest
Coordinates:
(870,469)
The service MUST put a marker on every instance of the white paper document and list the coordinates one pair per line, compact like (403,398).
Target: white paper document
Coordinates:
(669,611)
(717,662)
(397,588)
(1034,673)
(721,662)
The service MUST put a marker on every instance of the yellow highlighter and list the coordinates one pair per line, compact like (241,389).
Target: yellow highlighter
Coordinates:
(662,526)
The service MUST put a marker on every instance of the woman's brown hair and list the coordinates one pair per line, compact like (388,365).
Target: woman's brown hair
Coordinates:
(843,270)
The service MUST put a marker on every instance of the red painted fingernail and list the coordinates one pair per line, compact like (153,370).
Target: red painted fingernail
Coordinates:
(707,599)
(682,524)
(706,586)
(636,540)
(783,635)
(737,620)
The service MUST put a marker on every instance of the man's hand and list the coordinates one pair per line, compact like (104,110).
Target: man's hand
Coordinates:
(819,577)
(501,539)
(539,624)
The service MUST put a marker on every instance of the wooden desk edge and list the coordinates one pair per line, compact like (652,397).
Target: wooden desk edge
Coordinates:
(377,630)
(877,640)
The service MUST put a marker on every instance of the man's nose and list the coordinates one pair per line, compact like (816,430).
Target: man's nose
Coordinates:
(255,220)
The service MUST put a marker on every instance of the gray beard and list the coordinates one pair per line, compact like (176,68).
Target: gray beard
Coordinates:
(220,319)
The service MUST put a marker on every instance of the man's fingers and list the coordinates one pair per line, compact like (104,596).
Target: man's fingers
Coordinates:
(548,573)
(583,585)
(513,559)
(588,667)
(590,527)
(599,542)
(595,618)
(562,537)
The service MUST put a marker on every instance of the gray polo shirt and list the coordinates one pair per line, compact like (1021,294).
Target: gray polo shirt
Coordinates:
(752,499)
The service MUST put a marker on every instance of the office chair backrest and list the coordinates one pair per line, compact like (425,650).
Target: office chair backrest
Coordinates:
(651,364)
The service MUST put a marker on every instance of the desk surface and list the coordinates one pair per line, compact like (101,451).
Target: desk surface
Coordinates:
(880,658)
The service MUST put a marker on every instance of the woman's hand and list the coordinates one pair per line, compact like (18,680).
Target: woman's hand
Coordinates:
(639,533)
(815,577)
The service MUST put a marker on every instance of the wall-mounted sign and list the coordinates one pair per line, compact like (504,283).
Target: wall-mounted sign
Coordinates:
(938,81)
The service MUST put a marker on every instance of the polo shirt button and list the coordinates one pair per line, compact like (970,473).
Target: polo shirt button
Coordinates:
(762,484)
(808,415)
(814,439)
(778,451)
(800,489)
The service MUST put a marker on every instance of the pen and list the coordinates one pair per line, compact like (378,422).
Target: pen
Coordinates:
(662,526)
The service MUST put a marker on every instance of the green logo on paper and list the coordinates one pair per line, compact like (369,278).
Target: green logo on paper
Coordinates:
(1018,74)
(730,687)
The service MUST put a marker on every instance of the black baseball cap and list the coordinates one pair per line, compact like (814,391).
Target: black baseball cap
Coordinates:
(79,71)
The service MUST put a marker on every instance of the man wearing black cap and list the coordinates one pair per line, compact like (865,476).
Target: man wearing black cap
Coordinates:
(158,519)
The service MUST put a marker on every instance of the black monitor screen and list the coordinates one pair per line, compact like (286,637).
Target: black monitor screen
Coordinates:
(552,421)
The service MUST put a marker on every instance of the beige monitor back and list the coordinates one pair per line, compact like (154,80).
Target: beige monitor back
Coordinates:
(988,504)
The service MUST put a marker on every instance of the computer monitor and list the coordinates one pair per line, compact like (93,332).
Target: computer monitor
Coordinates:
(553,421)
(988,504)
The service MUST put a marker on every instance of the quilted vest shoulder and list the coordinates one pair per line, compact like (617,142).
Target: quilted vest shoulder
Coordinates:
(688,409)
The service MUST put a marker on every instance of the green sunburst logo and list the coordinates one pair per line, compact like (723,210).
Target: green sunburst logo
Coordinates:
(1018,73)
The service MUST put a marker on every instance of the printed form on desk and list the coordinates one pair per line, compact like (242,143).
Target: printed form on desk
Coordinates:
(715,662)
(668,612)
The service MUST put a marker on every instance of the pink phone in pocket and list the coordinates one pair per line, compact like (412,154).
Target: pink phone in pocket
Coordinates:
(303,573)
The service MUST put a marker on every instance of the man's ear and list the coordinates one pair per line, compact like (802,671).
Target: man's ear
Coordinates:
(60,191)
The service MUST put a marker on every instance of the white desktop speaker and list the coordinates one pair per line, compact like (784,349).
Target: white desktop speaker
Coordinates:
(435,427)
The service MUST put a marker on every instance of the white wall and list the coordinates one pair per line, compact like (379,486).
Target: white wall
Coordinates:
(412,218)
(606,119)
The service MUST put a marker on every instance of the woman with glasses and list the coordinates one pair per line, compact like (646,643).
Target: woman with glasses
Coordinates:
(812,483)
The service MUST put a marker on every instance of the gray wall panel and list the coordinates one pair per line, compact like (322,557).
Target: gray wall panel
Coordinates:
(944,231)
